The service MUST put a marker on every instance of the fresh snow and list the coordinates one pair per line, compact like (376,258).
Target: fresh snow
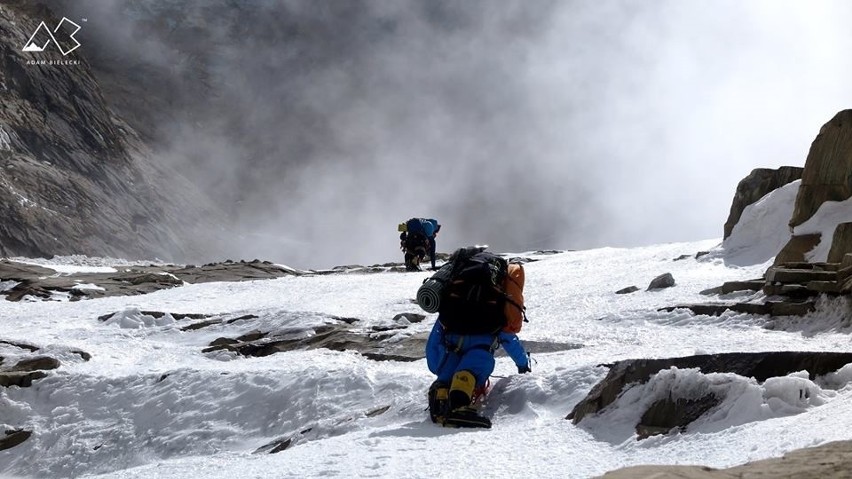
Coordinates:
(763,228)
(824,221)
(149,403)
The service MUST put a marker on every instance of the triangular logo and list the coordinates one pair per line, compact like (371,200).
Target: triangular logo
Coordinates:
(42,37)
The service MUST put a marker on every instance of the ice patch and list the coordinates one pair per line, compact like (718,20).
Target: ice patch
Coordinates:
(7,285)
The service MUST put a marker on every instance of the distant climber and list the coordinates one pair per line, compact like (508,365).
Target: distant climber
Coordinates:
(417,240)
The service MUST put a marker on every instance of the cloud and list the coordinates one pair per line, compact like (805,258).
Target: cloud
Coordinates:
(321,125)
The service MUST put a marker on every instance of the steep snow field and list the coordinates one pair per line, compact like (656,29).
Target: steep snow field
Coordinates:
(150,404)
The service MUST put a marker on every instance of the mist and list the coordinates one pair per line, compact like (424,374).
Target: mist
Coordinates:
(318,126)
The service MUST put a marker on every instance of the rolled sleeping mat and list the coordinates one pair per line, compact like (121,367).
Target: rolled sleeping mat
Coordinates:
(429,293)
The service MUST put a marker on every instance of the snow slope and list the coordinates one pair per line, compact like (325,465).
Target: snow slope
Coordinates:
(149,403)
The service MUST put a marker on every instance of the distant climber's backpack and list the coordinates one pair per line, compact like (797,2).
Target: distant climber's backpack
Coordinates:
(415,226)
(483,296)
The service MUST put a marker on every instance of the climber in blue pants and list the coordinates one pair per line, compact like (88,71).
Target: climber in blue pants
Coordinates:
(463,364)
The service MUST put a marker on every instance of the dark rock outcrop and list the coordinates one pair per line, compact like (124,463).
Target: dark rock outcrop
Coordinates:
(12,438)
(826,174)
(41,282)
(661,282)
(759,366)
(756,185)
(30,368)
(341,334)
(667,414)
(35,364)
(627,290)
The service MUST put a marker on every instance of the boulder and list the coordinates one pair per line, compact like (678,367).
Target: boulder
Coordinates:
(661,282)
(755,365)
(826,174)
(755,186)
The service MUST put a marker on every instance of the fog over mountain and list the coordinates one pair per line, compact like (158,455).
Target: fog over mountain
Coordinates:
(319,125)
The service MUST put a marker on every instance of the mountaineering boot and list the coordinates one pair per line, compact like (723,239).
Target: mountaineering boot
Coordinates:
(461,413)
(461,389)
(466,417)
(439,402)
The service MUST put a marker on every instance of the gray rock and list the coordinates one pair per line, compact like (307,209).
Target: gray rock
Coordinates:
(627,290)
(662,281)
(35,364)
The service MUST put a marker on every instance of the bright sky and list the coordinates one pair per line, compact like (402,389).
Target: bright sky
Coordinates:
(150,404)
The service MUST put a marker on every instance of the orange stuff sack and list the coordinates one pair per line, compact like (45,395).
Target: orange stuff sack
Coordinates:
(513,286)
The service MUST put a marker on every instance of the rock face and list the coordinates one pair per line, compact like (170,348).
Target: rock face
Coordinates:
(795,249)
(754,186)
(828,461)
(663,416)
(74,178)
(826,176)
(841,243)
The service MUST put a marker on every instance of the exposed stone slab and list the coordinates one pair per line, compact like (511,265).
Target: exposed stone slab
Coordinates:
(750,285)
(43,283)
(824,287)
(784,275)
(20,379)
(717,309)
(828,461)
(627,290)
(785,308)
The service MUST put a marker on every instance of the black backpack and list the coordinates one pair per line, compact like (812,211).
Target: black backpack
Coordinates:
(473,301)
